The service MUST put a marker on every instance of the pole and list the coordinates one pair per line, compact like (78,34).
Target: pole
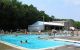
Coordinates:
(43,24)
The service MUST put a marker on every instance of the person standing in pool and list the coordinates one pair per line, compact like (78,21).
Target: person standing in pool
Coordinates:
(26,41)
(21,41)
(26,31)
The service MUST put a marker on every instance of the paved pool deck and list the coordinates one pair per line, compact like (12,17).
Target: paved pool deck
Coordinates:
(67,47)
(6,47)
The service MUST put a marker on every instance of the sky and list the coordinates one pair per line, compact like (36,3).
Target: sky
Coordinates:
(63,9)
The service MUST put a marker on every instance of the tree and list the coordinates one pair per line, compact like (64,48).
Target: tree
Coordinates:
(77,24)
(15,15)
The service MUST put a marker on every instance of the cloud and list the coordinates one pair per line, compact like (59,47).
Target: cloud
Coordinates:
(74,2)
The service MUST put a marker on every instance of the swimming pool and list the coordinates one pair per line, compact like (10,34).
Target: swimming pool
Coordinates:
(33,42)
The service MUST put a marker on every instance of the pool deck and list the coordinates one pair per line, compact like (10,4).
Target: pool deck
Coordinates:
(13,45)
(6,47)
(67,47)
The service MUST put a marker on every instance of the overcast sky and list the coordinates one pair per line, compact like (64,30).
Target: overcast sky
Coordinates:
(64,9)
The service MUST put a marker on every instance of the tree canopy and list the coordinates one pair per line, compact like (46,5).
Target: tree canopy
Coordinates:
(15,15)
(77,24)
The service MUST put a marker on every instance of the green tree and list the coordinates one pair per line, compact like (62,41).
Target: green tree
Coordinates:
(77,24)
(14,14)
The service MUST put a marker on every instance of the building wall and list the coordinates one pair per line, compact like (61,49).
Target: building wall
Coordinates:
(67,24)
(39,26)
(36,28)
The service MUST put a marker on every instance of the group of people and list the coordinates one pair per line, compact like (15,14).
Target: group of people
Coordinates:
(23,41)
(52,32)
(5,32)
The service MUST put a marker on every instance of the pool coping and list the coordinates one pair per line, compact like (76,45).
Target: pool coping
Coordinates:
(73,41)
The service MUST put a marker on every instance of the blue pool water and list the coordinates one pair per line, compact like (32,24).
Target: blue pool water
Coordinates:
(33,41)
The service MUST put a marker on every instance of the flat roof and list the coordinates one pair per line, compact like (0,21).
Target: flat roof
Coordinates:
(55,24)
(46,23)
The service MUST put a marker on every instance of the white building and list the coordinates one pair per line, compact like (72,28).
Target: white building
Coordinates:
(39,25)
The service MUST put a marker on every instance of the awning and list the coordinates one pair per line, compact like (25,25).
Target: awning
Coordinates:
(51,23)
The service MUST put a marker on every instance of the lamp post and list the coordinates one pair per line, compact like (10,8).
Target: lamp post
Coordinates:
(43,23)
